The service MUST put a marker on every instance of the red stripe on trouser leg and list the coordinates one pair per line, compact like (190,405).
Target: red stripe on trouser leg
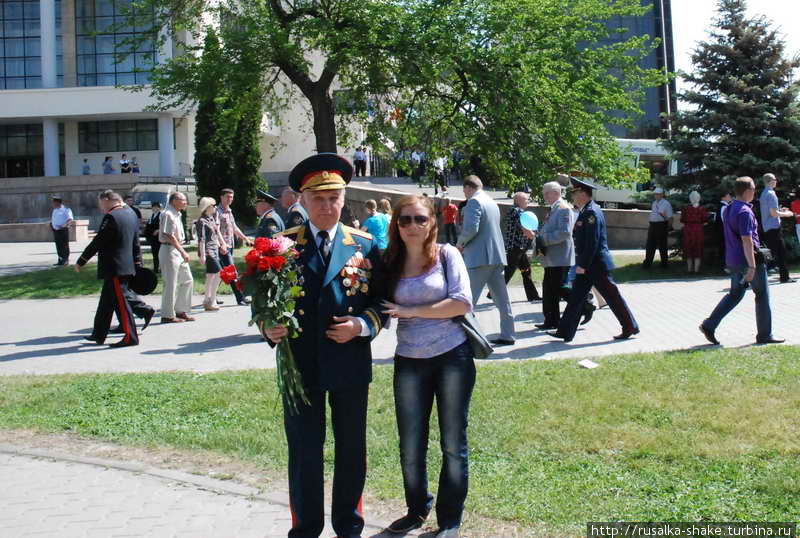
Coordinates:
(294,516)
(360,507)
(123,310)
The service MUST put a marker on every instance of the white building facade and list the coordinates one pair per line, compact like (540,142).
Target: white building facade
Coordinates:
(59,100)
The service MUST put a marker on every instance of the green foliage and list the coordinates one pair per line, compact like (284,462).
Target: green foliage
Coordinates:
(743,116)
(679,436)
(527,85)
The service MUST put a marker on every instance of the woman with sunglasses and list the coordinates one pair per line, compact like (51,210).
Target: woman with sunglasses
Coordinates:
(427,290)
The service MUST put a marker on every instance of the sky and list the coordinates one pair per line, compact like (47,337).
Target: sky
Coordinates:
(691,20)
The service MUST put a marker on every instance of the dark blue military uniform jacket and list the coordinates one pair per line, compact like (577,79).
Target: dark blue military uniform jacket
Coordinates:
(116,244)
(270,224)
(591,239)
(341,289)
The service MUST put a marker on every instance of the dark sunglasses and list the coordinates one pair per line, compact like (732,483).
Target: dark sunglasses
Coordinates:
(405,220)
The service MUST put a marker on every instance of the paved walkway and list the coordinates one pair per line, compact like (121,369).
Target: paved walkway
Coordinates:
(46,336)
(50,494)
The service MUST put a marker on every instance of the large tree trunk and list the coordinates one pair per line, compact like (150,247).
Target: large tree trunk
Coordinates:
(324,121)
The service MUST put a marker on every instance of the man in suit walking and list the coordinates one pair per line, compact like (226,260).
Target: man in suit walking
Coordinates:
(339,313)
(481,243)
(593,266)
(117,247)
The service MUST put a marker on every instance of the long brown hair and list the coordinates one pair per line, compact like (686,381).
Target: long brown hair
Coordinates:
(395,256)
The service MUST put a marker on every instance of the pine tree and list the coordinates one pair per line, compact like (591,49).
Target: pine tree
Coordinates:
(743,117)
(213,166)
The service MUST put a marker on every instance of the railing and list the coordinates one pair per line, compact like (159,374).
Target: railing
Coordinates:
(380,166)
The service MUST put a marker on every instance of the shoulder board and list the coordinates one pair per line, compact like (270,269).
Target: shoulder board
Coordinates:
(292,231)
(359,233)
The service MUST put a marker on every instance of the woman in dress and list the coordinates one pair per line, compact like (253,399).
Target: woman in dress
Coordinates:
(428,290)
(209,245)
(693,217)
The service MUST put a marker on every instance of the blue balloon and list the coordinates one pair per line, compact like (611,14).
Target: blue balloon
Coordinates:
(529,220)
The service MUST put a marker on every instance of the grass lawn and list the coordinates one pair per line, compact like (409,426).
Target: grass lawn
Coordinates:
(59,282)
(682,436)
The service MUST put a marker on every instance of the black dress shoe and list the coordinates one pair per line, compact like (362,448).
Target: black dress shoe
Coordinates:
(148,317)
(709,334)
(93,339)
(770,340)
(220,301)
(123,343)
(556,335)
(788,280)
(588,312)
(501,342)
(117,330)
(545,327)
(405,524)
(624,335)
(447,533)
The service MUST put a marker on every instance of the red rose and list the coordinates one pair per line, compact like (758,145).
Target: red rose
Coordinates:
(277,262)
(261,244)
(228,274)
(263,264)
(251,258)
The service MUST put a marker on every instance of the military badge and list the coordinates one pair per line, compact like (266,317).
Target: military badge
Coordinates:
(591,219)
(355,274)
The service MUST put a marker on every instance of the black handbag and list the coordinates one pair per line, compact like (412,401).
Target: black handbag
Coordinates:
(481,347)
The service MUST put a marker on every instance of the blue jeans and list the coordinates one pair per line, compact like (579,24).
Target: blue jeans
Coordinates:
(449,378)
(729,302)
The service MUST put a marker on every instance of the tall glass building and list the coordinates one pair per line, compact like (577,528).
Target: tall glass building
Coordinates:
(60,72)
(661,100)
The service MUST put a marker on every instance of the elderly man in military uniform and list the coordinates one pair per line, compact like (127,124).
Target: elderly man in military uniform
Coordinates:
(296,214)
(270,223)
(339,313)
(117,247)
(593,267)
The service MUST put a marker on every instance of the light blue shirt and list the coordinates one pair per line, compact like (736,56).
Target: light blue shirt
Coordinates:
(378,226)
(768,201)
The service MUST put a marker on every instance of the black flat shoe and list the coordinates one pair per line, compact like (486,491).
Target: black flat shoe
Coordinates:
(624,335)
(501,342)
(588,312)
(405,524)
(545,327)
(556,335)
(709,335)
(122,343)
(91,338)
(770,340)
(148,318)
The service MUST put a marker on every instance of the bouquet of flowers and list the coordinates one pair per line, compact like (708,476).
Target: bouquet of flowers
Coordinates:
(273,281)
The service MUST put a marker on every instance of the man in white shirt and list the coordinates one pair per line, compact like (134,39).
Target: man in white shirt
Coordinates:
(60,221)
(360,161)
(660,217)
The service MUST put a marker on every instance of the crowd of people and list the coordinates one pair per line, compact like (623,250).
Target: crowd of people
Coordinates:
(426,286)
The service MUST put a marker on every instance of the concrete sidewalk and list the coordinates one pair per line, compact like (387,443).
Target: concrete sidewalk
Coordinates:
(46,336)
(47,493)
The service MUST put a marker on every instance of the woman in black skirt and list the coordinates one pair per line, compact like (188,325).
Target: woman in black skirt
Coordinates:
(209,245)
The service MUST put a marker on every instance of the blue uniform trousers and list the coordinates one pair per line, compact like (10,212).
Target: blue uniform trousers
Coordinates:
(305,435)
(599,277)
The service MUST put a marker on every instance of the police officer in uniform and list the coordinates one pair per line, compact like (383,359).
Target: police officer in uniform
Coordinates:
(593,267)
(117,247)
(270,223)
(296,214)
(339,313)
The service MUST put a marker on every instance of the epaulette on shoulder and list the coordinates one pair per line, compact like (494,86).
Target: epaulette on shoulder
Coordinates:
(359,233)
(292,231)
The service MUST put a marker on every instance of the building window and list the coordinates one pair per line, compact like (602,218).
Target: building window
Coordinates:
(22,150)
(115,136)
(20,45)
(111,49)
